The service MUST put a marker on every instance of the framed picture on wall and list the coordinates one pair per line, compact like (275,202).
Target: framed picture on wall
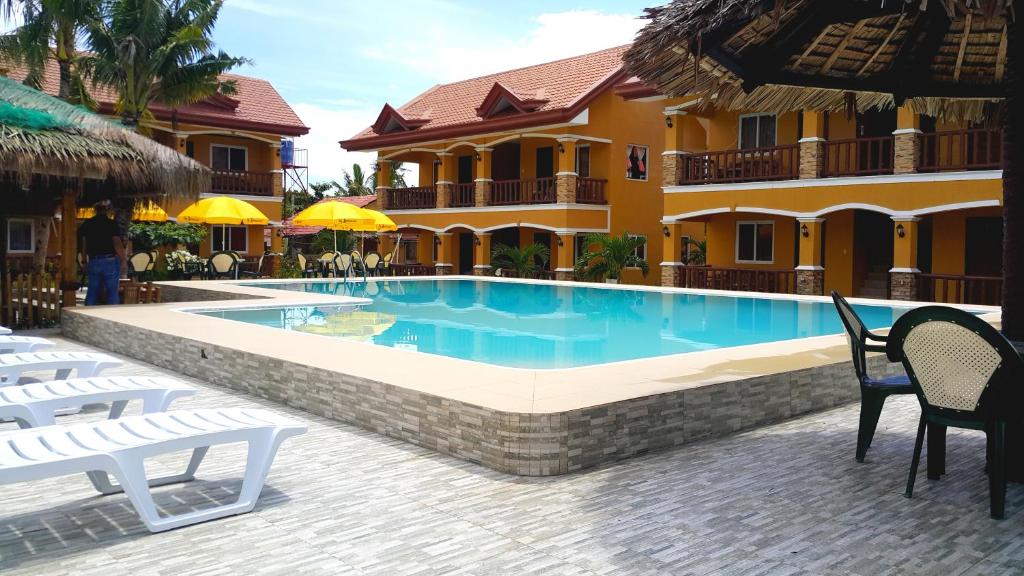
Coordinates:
(636,162)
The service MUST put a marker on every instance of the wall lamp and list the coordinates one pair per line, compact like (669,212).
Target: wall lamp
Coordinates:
(900,230)
(561,148)
(666,231)
(559,239)
(437,240)
(668,121)
(476,240)
(804,231)
(477,156)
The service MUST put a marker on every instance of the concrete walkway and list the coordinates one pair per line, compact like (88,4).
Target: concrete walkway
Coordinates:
(786,499)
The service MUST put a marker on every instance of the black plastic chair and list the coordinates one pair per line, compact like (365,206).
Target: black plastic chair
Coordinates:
(222,265)
(873,391)
(965,375)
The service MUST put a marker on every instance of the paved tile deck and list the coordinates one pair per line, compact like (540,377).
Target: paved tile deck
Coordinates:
(786,499)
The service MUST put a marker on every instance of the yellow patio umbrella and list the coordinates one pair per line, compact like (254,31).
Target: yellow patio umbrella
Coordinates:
(147,212)
(335,215)
(223,210)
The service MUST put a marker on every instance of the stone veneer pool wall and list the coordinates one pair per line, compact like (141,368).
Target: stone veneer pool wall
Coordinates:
(195,292)
(514,443)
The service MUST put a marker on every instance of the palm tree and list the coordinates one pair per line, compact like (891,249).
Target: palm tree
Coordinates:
(526,261)
(356,183)
(613,253)
(50,29)
(698,252)
(157,50)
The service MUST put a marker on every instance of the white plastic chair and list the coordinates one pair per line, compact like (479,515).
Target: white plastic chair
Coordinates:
(87,364)
(120,447)
(15,344)
(37,404)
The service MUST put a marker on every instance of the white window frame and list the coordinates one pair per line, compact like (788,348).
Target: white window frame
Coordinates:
(590,159)
(644,247)
(32,235)
(647,173)
(230,147)
(216,246)
(739,129)
(737,242)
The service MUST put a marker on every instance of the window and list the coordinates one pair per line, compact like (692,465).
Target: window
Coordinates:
(685,249)
(757,131)
(641,250)
(229,157)
(190,149)
(583,161)
(21,236)
(234,238)
(436,244)
(579,246)
(636,162)
(410,251)
(755,242)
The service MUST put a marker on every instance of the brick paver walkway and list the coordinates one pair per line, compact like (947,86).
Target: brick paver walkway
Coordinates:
(786,499)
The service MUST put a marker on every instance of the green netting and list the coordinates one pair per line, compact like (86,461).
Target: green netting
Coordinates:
(28,118)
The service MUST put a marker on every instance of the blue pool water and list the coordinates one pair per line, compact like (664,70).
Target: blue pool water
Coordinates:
(547,326)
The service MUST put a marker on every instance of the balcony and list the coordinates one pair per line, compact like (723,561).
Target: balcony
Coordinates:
(858,157)
(412,198)
(238,182)
(463,195)
(590,191)
(746,165)
(960,150)
(530,191)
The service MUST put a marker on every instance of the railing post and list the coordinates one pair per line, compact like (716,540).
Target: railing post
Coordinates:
(566,179)
(673,268)
(810,275)
(907,141)
(903,276)
(443,186)
(484,182)
(69,246)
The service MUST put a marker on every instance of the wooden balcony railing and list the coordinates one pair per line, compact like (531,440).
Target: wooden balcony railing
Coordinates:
(462,195)
(532,191)
(953,289)
(747,165)
(858,157)
(958,150)
(238,182)
(747,280)
(412,198)
(590,191)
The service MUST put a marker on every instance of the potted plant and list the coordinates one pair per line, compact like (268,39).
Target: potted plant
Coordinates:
(526,262)
(607,256)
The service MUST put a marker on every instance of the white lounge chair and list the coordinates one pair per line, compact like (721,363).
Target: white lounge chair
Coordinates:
(15,344)
(4,331)
(34,405)
(119,447)
(87,364)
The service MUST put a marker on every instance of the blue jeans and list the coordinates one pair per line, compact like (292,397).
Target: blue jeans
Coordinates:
(104,275)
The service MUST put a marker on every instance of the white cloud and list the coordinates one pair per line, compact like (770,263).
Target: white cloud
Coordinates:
(454,51)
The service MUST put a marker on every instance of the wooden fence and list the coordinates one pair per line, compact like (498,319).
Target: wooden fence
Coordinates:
(30,300)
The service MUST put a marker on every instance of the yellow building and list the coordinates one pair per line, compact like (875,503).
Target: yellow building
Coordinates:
(547,153)
(876,204)
(244,138)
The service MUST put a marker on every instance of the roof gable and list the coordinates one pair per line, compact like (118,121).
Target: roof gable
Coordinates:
(390,120)
(502,100)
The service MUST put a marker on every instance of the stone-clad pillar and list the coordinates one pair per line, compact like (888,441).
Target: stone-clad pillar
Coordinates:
(907,141)
(810,275)
(566,176)
(812,144)
(482,254)
(484,180)
(383,179)
(443,266)
(445,179)
(565,266)
(683,135)
(903,276)
(672,252)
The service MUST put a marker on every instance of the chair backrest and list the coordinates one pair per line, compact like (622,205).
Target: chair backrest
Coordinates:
(856,334)
(372,259)
(327,257)
(302,261)
(223,262)
(343,262)
(139,262)
(153,255)
(960,366)
(387,259)
(356,257)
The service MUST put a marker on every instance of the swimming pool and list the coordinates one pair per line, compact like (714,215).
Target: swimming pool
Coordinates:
(545,326)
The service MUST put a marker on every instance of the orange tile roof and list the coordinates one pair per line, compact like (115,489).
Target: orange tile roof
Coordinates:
(559,86)
(259,106)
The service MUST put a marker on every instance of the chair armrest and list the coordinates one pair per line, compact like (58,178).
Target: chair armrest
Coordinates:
(877,337)
(874,348)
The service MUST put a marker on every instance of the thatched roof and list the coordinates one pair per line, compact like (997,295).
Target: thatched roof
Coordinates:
(42,135)
(943,57)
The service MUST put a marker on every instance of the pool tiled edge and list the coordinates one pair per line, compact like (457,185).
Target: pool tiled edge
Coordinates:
(514,442)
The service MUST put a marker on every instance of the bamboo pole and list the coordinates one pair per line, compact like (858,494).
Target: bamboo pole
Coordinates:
(69,244)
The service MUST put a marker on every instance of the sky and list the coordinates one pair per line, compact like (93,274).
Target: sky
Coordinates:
(337,62)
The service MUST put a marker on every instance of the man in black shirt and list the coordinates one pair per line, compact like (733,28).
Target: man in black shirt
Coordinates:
(100,239)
